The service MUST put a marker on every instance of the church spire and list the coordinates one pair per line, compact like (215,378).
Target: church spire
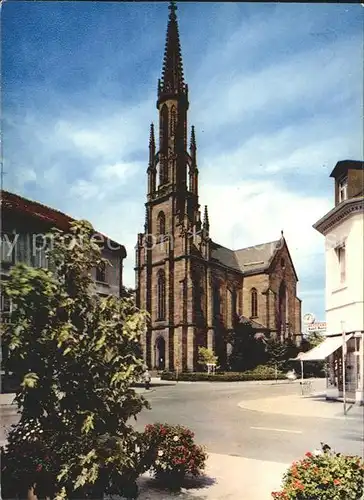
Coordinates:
(172,80)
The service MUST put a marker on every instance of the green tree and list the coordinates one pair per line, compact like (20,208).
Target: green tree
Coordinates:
(247,348)
(277,353)
(314,339)
(206,356)
(77,355)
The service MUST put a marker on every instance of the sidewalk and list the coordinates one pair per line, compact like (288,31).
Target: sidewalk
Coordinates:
(316,406)
(226,478)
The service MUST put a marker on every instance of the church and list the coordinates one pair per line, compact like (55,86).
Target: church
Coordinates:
(193,288)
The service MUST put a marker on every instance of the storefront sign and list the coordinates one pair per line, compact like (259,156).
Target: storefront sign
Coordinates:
(317,327)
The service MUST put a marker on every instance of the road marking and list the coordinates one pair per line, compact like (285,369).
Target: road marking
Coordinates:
(276,430)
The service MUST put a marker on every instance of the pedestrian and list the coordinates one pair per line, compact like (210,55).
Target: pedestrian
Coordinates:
(147,379)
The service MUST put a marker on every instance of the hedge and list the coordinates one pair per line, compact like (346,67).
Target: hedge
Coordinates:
(260,374)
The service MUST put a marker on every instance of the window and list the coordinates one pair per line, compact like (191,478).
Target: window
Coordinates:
(216,302)
(161,293)
(283,264)
(343,189)
(7,248)
(101,273)
(173,121)
(234,303)
(161,224)
(39,247)
(341,257)
(23,249)
(254,303)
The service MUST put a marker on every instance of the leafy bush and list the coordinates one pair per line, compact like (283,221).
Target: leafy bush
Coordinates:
(174,453)
(28,459)
(261,372)
(324,475)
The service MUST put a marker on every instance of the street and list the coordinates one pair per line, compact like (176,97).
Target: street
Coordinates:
(249,429)
(211,410)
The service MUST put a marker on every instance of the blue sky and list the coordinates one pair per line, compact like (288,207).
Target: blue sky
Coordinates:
(275,97)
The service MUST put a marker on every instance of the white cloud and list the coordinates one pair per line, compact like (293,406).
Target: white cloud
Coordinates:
(254,212)
(105,180)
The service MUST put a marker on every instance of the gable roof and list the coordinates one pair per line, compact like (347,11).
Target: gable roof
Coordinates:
(251,322)
(15,203)
(250,260)
(258,257)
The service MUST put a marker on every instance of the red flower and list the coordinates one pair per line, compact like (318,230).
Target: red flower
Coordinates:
(39,468)
(309,454)
(299,485)
(337,482)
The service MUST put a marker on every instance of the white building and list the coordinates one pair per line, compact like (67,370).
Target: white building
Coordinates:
(343,228)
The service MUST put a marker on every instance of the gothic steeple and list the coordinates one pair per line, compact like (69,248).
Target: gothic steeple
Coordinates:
(193,173)
(193,142)
(152,171)
(206,223)
(151,145)
(172,81)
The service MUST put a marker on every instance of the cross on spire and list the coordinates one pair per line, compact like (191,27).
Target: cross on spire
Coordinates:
(172,7)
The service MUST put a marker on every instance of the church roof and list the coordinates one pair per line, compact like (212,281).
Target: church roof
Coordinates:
(251,322)
(250,260)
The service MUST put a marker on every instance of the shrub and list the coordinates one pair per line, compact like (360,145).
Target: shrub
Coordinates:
(173,453)
(324,475)
(262,372)
(28,459)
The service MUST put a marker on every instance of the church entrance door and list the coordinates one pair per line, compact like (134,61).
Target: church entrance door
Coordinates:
(160,353)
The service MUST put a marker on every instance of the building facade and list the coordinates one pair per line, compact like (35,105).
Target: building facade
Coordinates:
(194,288)
(343,229)
(24,225)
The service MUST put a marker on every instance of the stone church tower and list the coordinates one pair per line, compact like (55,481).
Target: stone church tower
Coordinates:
(193,288)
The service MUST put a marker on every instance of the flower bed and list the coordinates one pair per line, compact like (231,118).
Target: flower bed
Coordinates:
(175,453)
(259,373)
(323,475)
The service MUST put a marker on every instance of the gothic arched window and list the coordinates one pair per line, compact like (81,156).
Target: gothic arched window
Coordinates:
(164,128)
(163,141)
(234,305)
(254,302)
(173,120)
(216,304)
(161,224)
(161,294)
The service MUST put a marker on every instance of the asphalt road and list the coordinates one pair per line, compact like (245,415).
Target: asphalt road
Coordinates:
(211,411)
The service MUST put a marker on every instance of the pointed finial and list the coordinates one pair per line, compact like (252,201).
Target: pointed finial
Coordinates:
(151,135)
(206,223)
(193,139)
(172,7)
(281,233)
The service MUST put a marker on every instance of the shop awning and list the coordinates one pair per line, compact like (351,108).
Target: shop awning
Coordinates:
(323,350)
